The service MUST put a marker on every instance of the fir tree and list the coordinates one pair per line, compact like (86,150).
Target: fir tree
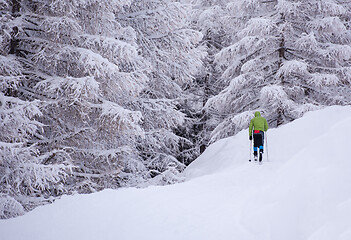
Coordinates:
(24,172)
(290,57)
(170,46)
(90,96)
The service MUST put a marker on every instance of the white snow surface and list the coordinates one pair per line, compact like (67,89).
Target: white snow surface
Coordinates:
(302,193)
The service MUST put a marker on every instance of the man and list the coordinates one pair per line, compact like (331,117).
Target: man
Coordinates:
(258,125)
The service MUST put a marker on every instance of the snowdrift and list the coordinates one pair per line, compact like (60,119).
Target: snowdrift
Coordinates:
(303,192)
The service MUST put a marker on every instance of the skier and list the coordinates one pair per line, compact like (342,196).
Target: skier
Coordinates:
(258,125)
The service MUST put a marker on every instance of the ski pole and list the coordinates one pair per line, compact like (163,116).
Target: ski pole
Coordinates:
(267,146)
(250,150)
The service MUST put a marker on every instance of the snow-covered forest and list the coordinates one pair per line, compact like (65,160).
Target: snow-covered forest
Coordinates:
(116,93)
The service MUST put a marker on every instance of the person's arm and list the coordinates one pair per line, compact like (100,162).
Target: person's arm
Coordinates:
(250,128)
(265,125)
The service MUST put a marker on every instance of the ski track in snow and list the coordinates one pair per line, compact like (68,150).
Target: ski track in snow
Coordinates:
(302,193)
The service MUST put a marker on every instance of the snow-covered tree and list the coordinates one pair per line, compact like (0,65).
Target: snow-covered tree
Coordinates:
(99,94)
(168,43)
(208,18)
(87,70)
(23,172)
(289,57)
(219,21)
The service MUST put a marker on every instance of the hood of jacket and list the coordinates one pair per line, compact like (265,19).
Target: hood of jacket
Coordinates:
(257,114)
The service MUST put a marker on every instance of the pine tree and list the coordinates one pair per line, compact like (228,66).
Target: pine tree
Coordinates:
(23,172)
(289,57)
(91,98)
(88,68)
(170,46)
(210,18)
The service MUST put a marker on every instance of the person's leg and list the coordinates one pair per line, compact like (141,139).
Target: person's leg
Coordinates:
(261,153)
(260,144)
(255,153)
(256,139)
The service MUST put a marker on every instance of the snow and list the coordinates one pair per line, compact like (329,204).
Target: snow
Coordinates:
(303,192)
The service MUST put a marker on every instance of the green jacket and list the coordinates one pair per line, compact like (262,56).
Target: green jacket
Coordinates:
(258,123)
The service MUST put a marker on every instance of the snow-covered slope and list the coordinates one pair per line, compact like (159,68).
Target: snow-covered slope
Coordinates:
(303,192)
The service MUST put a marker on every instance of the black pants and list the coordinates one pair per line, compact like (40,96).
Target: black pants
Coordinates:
(258,142)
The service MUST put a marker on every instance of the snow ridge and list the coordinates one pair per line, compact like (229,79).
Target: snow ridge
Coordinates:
(303,192)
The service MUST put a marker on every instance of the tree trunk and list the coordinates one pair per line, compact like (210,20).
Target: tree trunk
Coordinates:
(16,7)
(15,11)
